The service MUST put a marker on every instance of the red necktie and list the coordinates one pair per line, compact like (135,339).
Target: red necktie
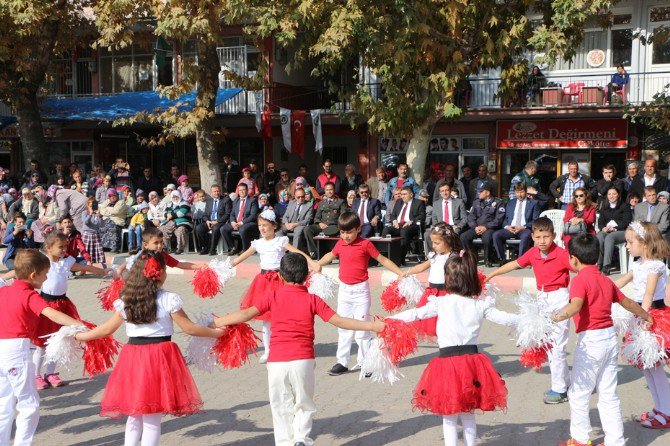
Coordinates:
(403,211)
(240,215)
(446,211)
(361,211)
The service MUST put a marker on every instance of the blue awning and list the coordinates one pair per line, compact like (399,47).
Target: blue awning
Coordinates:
(6,121)
(109,108)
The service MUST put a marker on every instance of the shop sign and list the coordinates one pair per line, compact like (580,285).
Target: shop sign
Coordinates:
(563,134)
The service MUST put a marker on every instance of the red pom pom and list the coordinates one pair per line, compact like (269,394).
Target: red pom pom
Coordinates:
(206,283)
(110,293)
(232,349)
(399,338)
(534,357)
(99,354)
(391,299)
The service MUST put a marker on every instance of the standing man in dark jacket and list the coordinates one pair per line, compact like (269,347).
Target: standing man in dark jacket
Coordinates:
(149,183)
(486,216)
(230,173)
(563,187)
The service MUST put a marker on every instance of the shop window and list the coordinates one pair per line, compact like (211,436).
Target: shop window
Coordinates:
(661,53)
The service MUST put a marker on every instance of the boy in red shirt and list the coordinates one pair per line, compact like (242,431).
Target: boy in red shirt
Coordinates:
(21,309)
(291,361)
(353,296)
(595,364)
(551,266)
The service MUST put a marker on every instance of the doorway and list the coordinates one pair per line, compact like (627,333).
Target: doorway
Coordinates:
(602,159)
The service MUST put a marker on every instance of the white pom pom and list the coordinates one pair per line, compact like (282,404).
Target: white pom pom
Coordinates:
(535,327)
(62,347)
(223,269)
(323,286)
(3,282)
(622,319)
(378,363)
(643,348)
(411,289)
(199,350)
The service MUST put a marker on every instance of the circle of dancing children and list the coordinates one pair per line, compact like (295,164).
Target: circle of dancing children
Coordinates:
(291,360)
(650,276)
(271,249)
(150,377)
(353,295)
(461,379)
(22,309)
(445,242)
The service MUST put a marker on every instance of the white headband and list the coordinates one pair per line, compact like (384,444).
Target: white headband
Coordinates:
(638,229)
(269,215)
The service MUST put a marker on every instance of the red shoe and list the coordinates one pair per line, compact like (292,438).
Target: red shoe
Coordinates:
(54,380)
(41,384)
(573,442)
(657,420)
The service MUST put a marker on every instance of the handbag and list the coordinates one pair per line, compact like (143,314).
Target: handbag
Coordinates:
(570,229)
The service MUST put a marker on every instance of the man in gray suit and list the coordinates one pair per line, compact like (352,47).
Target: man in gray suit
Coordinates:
(652,211)
(297,216)
(455,213)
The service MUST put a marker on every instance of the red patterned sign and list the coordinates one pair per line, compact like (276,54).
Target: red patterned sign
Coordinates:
(563,134)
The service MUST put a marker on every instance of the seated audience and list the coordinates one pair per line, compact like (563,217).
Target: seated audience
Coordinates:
(369,211)
(407,216)
(520,213)
(615,216)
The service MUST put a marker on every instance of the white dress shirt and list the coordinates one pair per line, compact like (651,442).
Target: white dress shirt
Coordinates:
(522,216)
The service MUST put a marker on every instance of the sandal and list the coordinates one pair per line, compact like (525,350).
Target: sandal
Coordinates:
(645,416)
(658,421)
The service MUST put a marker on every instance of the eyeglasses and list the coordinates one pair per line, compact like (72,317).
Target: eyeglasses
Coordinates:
(579,195)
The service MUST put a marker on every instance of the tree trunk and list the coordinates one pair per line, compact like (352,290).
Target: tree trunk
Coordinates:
(31,131)
(208,84)
(417,151)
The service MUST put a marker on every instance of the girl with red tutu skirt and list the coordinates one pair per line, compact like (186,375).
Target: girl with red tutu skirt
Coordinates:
(445,242)
(54,292)
(150,378)
(650,276)
(271,248)
(461,379)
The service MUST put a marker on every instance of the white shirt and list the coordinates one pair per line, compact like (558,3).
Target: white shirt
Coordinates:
(649,181)
(459,318)
(641,272)
(271,251)
(56,283)
(436,272)
(167,303)
(522,221)
(447,204)
(363,205)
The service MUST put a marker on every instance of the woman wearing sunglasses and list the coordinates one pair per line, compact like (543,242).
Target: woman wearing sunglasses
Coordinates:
(580,215)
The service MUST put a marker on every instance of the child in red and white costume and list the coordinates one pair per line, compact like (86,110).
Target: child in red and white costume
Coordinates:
(461,380)
(595,363)
(650,277)
(22,307)
(551,266)
(445,242)
(271,249)
(150,377)
(353,295)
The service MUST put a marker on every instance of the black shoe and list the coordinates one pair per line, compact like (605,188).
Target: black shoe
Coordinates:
(299,443)
(368,375)
(338,369)
(233,252)
(213,253)
(203,252)
(179,251)
(607,270)
(313,256)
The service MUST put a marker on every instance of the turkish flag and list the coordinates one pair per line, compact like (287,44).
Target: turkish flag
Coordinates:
(266,124)
(298,132)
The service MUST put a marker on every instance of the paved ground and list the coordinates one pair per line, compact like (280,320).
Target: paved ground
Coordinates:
(351,412)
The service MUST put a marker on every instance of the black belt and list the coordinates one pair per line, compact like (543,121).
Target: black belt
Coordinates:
(458,350)
(657,304)
(265,271)
(437,286)
(51,297)
(146,340)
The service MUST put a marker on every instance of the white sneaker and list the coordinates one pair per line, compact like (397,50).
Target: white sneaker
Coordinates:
(263,359)
(354,368)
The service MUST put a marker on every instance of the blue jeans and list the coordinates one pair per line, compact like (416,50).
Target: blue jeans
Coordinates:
(135,236)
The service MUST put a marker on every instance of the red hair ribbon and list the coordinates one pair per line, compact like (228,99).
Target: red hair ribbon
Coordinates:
(152,269)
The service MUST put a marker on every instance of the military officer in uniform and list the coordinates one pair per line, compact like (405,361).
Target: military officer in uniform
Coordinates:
(325,220)
(486,216)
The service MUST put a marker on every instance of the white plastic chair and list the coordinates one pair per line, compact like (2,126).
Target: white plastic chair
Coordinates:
(556,217)
(623,258)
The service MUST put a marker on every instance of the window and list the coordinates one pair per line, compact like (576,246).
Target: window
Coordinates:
(126,69)
(661,49)
(336,155)
(622,47)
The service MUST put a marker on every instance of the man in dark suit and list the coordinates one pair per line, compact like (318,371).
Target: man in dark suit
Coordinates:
(297,216)
(406,217)
(486,215)
(217,212)
(368,209)
(520,213)
(455,214)
(242,219)
(325,220)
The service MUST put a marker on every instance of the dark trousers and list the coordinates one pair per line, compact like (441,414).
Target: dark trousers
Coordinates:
(204,238)
(247,233)
(487,237)
(407,233)
(367,230)
(314,230)
(502,235)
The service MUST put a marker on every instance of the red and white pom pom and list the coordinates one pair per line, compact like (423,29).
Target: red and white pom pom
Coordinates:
(534,329)
(488,288)
(322,285)
(110,293)
(399,339)
(224,270)
(411,289)
(621,318)
(378,363)
(642,348)
(62,347)
(535,357)
(200,351)
(206,283)
(233,348)
(391,299)
(99,354)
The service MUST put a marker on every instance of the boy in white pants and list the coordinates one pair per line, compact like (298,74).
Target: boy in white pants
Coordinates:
(551,266)
(595,364)
(291,361)
(22,307)
(353,297)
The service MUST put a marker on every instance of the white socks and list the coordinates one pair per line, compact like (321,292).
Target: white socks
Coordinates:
(38,361)
(266,337)
(659,386)
(147,427)
(450,425)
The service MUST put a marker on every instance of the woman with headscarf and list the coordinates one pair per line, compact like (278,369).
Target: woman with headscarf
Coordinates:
(156,214)
(178,222)
(48,214)
(26,204)
(113,212)
(33,180)
(351,196)
(282,204)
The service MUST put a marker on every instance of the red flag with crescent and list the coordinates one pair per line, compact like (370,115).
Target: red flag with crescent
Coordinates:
(298,132)
(266,123)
